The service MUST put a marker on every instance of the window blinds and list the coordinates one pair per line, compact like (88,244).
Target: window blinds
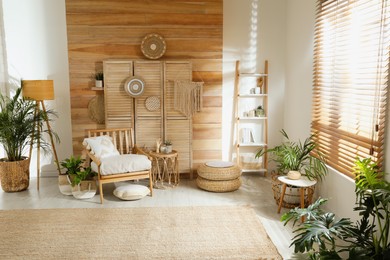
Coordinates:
(351,66)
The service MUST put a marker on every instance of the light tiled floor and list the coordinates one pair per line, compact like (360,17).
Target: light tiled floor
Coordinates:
(255,192)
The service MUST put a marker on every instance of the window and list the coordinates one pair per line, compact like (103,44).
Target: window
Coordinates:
(351,66)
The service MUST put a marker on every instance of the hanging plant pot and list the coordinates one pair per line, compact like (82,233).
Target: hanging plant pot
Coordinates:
(15,176)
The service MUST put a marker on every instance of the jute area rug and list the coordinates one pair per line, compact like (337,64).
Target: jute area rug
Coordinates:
(134,233)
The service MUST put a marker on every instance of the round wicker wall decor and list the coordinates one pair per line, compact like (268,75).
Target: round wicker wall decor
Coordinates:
(153,46)
(134,86)
(152,103)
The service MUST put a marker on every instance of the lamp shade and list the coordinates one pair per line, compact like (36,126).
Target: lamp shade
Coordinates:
(38,89)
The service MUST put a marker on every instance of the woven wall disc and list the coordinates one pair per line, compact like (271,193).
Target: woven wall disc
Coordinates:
(153,46)
(134,86)
(96,109)
(152,103)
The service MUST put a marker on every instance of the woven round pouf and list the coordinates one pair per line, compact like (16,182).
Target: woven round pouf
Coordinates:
(219,176)
(218,186)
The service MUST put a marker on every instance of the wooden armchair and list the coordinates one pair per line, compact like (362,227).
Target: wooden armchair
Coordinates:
(115,162)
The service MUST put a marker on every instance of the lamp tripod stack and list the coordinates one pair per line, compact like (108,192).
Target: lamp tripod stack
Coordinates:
(40,90)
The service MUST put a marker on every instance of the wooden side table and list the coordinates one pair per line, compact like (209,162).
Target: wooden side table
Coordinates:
(165,167)
(303,183)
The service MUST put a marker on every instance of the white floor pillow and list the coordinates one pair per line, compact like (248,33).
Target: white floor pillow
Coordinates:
(131,191)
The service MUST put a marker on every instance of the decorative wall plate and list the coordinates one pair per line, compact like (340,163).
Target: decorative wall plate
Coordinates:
(134,86)
(153,46)
(152,103)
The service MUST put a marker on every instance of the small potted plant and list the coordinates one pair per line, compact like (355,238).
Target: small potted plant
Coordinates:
(98,77)
(166,147)
(259,111)
(80,178)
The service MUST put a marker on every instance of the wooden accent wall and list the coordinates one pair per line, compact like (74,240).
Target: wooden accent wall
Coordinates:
(113,29)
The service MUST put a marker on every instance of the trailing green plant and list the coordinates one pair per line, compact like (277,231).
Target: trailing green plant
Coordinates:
(19,125)
(319,236)
(77,172)
(297,156)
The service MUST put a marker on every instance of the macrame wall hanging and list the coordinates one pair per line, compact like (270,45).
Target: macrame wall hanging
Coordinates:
(188,97)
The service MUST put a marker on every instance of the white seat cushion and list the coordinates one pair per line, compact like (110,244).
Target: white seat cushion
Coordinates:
(131,192)
(122,164)
(101,146)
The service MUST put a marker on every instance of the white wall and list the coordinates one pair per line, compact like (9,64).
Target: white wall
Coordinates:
(253,32)
(36,45)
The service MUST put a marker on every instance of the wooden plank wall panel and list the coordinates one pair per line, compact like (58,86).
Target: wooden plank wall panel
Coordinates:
(113,29)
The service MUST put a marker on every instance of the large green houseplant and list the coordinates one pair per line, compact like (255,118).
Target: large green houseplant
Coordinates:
(321,235)
(303,157)
(293,159)
(19,122)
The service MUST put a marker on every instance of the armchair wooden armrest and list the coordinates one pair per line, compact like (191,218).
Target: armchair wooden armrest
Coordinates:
(138,150)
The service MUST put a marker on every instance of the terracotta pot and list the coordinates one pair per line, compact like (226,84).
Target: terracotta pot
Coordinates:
(15,176)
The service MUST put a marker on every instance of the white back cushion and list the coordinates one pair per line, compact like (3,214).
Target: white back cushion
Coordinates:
(101,146)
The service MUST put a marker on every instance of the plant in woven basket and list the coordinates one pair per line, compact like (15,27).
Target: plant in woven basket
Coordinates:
(21,125)
(297,156)
(319,236)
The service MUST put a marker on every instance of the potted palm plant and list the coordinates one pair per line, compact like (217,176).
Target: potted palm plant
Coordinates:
(19,122)
(293,159)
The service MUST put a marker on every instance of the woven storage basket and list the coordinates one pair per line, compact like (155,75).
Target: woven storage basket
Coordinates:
(218,186)
(15,176)
(291,197)
(215,173)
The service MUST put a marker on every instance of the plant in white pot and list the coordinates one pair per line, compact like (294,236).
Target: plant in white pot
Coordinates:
(296,158)
(72,165)
(98,77)
(19,122)
(81,178)
(166,147)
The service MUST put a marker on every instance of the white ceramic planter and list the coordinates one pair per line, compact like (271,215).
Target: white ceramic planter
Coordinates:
(99,83)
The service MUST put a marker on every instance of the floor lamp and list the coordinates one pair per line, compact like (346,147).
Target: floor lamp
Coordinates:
(40,90)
